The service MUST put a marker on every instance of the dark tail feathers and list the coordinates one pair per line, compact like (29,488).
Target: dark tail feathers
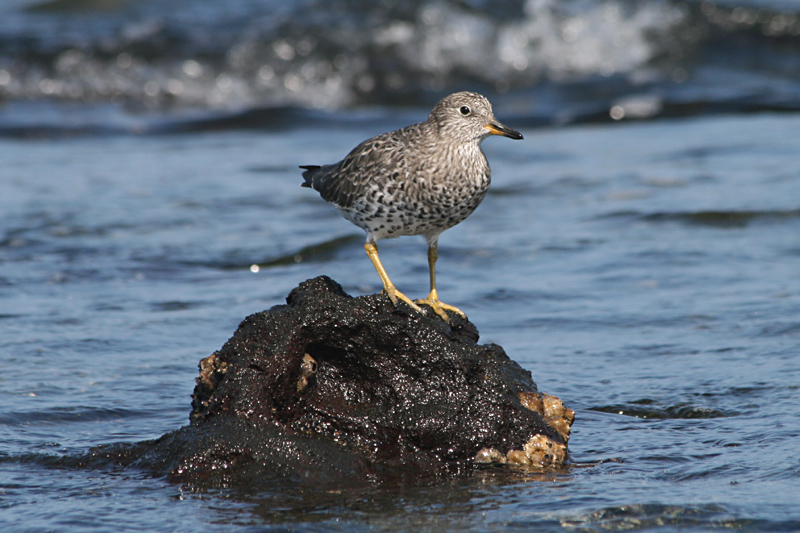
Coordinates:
(309,169)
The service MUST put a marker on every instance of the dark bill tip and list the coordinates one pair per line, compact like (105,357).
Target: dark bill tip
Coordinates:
(499,129)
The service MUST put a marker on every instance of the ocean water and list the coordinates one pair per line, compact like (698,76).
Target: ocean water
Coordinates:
(646,271)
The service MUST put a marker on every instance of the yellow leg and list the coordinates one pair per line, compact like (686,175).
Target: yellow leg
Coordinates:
(433,298)
(388,286)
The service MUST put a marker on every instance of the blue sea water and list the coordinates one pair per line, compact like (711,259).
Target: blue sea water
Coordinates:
(647,272)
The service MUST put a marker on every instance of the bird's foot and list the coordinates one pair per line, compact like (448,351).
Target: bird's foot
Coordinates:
(395,295)
(440,307)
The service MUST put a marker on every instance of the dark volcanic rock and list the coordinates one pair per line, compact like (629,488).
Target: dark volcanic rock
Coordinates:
(329,385)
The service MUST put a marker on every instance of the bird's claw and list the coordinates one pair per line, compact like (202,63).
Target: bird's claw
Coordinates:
(395,295)
(440,307)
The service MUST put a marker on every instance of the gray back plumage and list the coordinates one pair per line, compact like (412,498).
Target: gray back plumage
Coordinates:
(343,182)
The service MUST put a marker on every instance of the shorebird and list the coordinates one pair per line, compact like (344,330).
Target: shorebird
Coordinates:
(418,180)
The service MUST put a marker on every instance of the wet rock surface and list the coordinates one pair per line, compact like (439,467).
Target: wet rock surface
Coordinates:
(330,386)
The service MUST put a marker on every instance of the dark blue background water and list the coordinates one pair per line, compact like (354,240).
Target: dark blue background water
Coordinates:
(646,272)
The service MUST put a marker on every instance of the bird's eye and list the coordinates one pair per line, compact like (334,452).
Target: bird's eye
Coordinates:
(465,110)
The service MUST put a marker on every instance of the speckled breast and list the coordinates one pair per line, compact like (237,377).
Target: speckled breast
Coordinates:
(419,206)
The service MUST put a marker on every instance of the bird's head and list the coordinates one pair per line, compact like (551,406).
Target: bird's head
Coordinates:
(468,117)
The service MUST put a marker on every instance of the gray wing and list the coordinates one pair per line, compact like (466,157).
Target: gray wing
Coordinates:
(377,159)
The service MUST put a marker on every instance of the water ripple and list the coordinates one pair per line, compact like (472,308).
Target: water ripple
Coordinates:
(710,218)
(59,415)
(650,409)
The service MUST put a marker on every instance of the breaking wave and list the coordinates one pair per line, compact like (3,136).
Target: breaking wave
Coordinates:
(639,58)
